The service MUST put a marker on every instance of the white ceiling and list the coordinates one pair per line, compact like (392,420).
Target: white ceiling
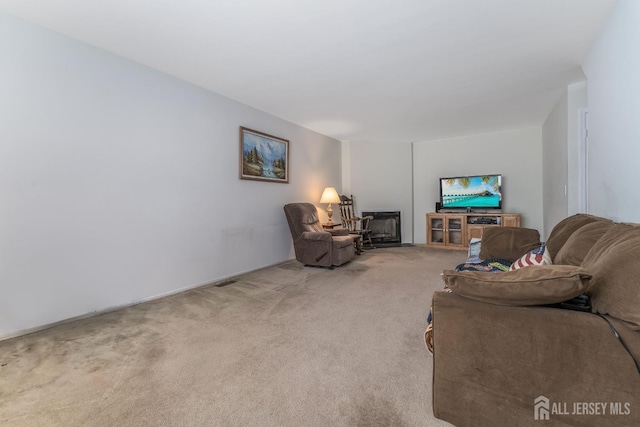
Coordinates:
(359,70)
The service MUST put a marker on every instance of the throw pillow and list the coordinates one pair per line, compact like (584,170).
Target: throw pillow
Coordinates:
(546,284)
(537,256)
(508,243)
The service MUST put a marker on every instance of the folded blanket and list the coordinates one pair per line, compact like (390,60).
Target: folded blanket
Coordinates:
(491,265)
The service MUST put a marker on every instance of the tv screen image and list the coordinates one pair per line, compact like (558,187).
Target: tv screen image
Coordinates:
(479,192)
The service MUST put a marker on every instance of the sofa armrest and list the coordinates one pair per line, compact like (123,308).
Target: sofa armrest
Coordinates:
(491,362)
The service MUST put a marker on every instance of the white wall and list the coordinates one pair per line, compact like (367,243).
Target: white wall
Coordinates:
(119,183)
(612,67)
(516,154)
(379,177)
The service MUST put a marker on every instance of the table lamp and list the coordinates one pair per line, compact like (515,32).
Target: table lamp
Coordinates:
(330,195)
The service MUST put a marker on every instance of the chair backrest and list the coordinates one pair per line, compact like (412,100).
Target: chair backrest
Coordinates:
(347,211)
(301,217)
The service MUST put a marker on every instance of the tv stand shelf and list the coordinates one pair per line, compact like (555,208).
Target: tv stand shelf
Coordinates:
(455,230)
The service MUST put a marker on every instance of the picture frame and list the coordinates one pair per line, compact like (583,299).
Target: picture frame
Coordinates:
(263,157)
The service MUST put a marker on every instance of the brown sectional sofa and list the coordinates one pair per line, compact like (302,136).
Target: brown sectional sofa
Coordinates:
(502,358)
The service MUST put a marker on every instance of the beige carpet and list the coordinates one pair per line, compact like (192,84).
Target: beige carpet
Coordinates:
(284,346)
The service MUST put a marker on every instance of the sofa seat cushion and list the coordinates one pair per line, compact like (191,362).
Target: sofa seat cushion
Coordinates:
(565,228)
(581,241)
(613,261)
(535,285)
(508,243)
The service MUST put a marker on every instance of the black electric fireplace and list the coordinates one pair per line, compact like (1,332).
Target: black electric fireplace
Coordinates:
(385,228)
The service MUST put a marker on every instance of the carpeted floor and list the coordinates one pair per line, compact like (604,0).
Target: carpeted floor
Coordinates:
(284,346)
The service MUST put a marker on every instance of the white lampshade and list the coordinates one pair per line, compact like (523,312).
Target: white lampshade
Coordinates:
(330,195)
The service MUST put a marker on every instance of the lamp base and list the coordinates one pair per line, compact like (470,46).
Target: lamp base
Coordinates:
(330,213)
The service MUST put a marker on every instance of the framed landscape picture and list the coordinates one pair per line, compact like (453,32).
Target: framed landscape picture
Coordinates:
(263,157)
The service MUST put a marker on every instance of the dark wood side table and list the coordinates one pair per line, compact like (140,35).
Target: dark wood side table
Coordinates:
(330,225)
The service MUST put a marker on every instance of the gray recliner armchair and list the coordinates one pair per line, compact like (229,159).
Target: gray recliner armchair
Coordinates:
(313,245)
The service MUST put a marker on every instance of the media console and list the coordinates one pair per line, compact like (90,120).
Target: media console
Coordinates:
(454,230)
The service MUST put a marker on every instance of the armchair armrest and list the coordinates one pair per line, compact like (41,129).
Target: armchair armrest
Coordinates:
(324,236)
(339,232)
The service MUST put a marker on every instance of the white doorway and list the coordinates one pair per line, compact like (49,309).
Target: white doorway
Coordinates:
(583,162)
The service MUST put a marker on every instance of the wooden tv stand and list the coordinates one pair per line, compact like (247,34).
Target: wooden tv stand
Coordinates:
(454,230)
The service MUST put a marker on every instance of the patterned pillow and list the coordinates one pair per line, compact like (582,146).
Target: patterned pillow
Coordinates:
(537,256)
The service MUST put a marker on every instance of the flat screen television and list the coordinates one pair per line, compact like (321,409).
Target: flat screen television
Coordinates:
(471,192)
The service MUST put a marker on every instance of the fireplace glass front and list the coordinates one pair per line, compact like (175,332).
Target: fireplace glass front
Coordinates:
(385,228)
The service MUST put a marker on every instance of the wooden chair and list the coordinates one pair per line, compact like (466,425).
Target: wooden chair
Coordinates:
(354,223)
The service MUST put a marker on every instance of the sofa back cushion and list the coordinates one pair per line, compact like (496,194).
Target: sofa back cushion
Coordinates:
(581,241)
(564,229)
(508,243)
(613,262)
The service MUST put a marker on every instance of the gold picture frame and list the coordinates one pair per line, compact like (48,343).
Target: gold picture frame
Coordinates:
(263,157)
